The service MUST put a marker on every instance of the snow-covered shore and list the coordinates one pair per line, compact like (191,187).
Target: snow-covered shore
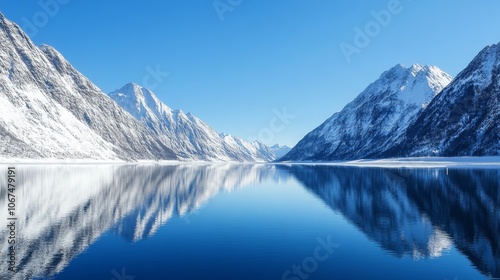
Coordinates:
(416,162)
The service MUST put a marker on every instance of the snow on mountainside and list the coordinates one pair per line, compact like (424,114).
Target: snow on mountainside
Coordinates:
(376,119)
(464,120)
(188,136)
(50,110)
(255,150)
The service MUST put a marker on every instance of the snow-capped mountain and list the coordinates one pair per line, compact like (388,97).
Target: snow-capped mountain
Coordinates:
(376,119)
(50,110)
(248,151)
(464,120)
(279,150)
(187,135)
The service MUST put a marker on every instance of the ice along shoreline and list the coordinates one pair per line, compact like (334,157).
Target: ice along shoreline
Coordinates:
(411,162)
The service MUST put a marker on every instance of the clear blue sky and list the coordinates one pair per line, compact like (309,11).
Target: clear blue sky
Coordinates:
(264,56)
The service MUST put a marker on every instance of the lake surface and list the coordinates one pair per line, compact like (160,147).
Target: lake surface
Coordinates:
(296,222)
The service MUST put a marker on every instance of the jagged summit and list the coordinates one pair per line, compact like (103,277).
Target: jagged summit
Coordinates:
(4,20)
(416,111)
(280,150)
(401,70)
(377,118)
(490,49)
(417,84)
(407,111)
(59,113)
(186,134)
(463,119)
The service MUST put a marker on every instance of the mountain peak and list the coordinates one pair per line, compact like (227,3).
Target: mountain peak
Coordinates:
(416,69)
(279,151)
(45,47)
(376,118)
(139,101)
(493,47)
(491,52)
(482,70)
(16,33)
(73,116)
(465,113)
(133,89)
(51,53)
(399,71)
(133,85)
(488,56)
(189,136)
(417,84)
(3,19)
(130,87)
(394,72)
(278,146)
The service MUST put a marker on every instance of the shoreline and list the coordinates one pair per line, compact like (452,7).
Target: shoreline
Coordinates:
(410,162)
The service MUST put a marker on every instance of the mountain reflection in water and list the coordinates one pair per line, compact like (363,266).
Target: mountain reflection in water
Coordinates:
(420,213)
(416,212)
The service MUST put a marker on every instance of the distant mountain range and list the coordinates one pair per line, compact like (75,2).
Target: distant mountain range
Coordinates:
(417,111)
(279,151)
(51,111)
(188,136)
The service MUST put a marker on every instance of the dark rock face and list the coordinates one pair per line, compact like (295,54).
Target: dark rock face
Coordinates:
(464,120)
(461,120)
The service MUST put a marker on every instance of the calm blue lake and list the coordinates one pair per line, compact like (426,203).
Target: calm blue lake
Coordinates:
(225,221)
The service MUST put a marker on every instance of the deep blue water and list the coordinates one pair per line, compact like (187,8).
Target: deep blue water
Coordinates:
(254,222)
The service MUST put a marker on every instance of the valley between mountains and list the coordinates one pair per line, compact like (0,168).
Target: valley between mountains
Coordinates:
(50,111)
